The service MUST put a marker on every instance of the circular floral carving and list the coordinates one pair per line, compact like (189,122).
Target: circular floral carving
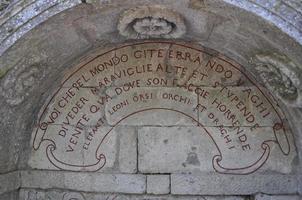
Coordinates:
(152,27)
(151,22)
(281,76)
(19,82)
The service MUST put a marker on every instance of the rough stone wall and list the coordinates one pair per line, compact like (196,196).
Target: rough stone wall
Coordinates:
(20,17)
(28,75)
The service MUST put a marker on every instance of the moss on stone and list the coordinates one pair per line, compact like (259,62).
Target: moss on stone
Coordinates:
(3,72)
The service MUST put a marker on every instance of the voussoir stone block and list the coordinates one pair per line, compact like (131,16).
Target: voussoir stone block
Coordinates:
(158,184)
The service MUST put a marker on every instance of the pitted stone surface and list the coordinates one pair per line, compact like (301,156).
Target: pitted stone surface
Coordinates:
(158,184)
(10,195)
(167,150)
(276,197)
(38,47)
(239,185)
(89,182)
(282,76)
(167,84)
(9,182)
(26,194)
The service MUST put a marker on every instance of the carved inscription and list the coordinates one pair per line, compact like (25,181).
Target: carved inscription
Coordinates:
(166,84)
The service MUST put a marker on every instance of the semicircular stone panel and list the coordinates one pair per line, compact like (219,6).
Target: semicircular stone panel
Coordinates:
(161,107)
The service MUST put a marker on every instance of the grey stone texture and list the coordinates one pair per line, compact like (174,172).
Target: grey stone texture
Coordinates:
(10,195)
(9,182)
(28,194)
(173,149)
(89,182)
(158,184)
(276,197)
(39,42)
(214,184)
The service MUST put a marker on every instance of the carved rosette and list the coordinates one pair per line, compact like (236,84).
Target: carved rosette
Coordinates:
(19,82)
(151,22)
(280,75)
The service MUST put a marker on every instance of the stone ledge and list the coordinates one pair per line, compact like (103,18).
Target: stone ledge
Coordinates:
(276,197)
(87,182)
(9,182)
(13,195)
(64,194)
(158,184)
(214,184)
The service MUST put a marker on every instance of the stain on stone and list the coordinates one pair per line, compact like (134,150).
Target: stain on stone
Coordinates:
(192,159)
(166,141)
(3,72)
(197,4)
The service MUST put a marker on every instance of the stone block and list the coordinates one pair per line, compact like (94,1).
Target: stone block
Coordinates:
(193,149)
(9,182)
(87,182)
(127,149)
(276,197)
(215,184)
(118,146)
(78,150)
(158,184)
(174,149)
(31,194)
(10,196)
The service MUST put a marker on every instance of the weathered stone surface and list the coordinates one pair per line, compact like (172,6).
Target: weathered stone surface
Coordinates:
(167,150)
(213,184)
(277,197)
(10,196)
(87,182)
(151,22)
(158,184)
(31,194)
(9,182)
(159,83)
(127,149)
(188,149)
(281,75)
(119,149)
(109,149)
(26,194)
(233,31)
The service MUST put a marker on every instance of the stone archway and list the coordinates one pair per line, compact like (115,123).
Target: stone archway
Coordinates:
(109,99)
